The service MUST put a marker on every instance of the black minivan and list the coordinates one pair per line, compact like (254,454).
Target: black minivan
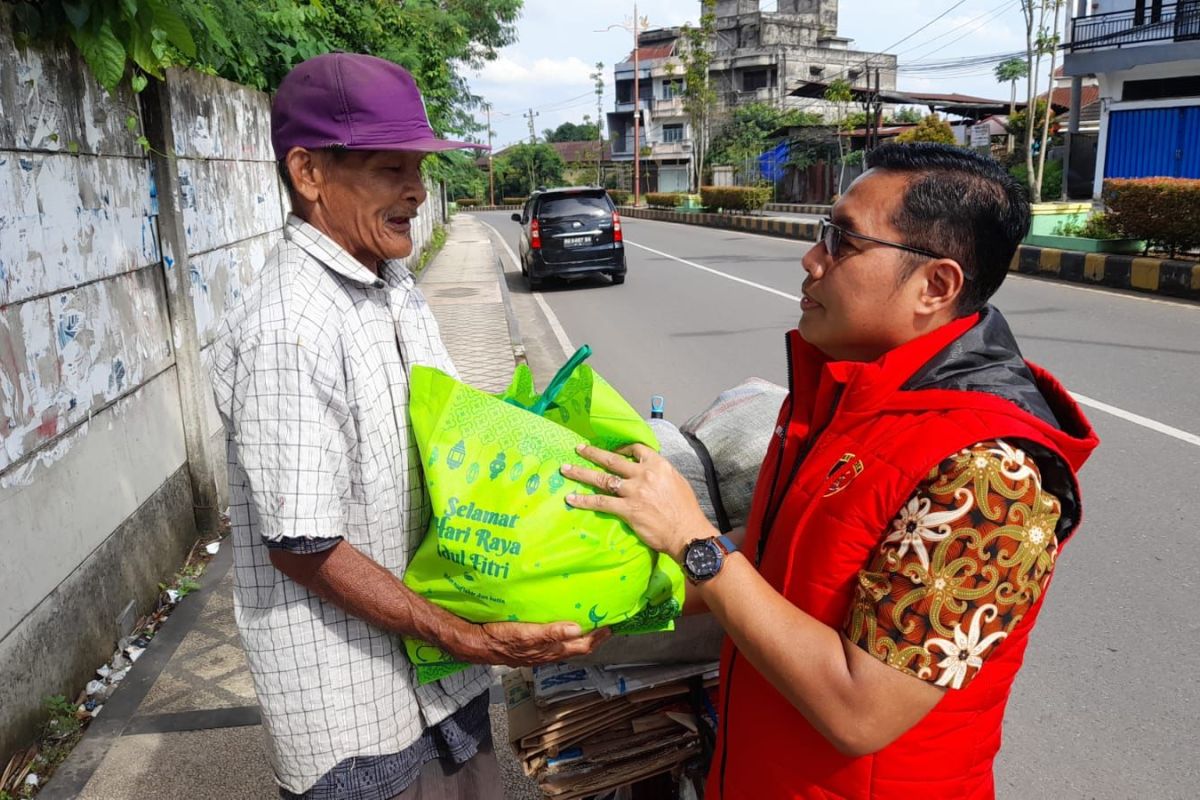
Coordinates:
(569,233)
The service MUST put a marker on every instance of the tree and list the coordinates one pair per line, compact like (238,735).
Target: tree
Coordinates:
(744,136)
(524,167)
(570,132)
(1010,71)
(256,42)
(1018,123)
(839,94)
(1039,41)
(699,97)
(908,115)
(930,129)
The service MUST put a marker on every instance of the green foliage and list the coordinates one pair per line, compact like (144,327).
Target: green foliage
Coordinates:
(908,115)
(525,167)
(735,198)
(930,129)
(699,96)
(457,169)
(1097,226)
(1017,124)
(1011,70)
(256,42)
(514,201)
(467,202)
(1163,211)
(115,37)
(437,240)
(619,197)
(744,136)
(665,199)
(570,132)
(1051,181)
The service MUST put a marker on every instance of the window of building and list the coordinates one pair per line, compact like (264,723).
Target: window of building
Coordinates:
(672,89)
(755,79)
(672,133)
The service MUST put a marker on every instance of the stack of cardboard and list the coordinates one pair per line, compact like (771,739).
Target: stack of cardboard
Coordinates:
(581,730)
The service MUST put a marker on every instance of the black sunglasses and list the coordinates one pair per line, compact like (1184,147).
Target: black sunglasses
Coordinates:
(831,235)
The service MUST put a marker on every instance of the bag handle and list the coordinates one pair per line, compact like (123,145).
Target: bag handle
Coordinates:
(710,477)
(560,380)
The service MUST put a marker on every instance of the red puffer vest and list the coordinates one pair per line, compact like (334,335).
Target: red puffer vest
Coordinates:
(854,441)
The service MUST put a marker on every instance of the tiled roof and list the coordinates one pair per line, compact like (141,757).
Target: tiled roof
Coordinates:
(648,52)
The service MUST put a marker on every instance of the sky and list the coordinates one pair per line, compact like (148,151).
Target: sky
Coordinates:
(561,41)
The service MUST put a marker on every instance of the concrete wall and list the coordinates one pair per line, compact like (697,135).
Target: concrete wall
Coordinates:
(96,495)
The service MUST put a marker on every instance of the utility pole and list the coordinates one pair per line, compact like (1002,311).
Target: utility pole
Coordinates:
(491,171)
(598,77)
(636,26)
(532,134)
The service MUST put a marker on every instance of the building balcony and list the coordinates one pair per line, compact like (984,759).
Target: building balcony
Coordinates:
(671,149)
(671,107)
(626,106)
(1174,22)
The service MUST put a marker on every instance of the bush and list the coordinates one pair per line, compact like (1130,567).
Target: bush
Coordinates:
(467,202)
(1051,179)
(735,198)
(1097,226)
(665,199)
(514,201)
(619,197)
(1163,211)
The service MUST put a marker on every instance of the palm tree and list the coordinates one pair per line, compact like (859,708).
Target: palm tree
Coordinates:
(1011,71)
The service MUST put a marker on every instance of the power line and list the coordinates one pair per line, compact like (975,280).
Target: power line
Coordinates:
(990,14)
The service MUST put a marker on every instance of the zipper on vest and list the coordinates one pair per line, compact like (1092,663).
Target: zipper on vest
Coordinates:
(773,510)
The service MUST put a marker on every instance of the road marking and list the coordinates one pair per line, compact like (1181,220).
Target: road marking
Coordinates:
(712,271)
(1138,419)
(1084,400)
(561,335)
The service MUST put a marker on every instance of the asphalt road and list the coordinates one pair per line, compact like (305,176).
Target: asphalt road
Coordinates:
(1108,704)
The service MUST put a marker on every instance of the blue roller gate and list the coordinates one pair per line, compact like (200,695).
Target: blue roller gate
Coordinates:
(1154,142)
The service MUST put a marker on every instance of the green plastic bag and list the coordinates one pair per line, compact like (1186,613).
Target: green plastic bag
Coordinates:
(503,544)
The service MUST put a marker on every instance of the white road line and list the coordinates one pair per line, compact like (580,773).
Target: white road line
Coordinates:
(1120,413)
(712,271)
(563,340)
(1138,419)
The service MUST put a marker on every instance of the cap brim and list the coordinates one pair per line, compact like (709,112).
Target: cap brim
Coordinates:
(426,145)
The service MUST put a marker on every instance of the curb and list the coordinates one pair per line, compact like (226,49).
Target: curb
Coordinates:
(1139,273)
(470,209)
(1160,276)
(798,208)
(786,229)
(514,328)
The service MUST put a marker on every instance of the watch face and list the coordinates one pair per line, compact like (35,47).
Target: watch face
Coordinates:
(703,559)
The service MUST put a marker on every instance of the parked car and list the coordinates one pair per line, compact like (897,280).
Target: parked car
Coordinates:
(570,233)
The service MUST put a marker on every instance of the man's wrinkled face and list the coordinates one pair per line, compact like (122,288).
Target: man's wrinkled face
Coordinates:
(854,305)
(367,200)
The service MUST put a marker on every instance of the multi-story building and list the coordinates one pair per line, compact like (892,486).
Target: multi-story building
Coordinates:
(1146,56)
(665,137)
(758,56)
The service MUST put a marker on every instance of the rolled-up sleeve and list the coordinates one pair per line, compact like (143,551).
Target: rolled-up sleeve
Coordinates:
(287,408)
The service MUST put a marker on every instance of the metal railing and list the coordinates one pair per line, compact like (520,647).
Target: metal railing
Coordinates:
(1176,22)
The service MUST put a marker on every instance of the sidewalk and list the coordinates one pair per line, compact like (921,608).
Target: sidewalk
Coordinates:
(185,723)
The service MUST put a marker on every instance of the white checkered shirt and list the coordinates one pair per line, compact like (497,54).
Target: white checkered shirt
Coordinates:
(311,378)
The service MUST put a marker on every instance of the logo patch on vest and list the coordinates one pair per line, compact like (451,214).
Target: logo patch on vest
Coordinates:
(847,468)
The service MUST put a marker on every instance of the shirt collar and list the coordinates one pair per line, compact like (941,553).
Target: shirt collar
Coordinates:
(335,257)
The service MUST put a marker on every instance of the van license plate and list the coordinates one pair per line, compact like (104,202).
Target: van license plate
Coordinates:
(577,241)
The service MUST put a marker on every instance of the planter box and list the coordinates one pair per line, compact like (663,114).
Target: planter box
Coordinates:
(1129,247)
(1045,217)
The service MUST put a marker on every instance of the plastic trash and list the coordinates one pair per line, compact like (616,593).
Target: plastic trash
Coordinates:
(212,548)
(172,596)
(104,671)
(117,677)
(32,779)
(95,687)
(134,653)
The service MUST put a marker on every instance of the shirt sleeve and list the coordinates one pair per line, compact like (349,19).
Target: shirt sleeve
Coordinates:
(289,417)
(965,559)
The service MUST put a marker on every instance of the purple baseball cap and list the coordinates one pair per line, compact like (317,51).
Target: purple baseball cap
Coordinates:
(355,102)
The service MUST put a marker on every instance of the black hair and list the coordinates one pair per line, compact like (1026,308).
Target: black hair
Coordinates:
(961,205)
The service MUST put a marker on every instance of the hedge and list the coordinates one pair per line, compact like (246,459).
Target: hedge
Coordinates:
(514,201)
(735,198)
(665,199)
(1163,211)
(619,197)
(466,202)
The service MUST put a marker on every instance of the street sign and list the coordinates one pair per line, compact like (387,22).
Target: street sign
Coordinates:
(981,135)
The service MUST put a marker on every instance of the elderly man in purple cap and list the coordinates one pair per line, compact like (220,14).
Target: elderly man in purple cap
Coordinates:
(311,379)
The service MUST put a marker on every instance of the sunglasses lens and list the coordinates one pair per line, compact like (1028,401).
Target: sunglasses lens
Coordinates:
(832,238)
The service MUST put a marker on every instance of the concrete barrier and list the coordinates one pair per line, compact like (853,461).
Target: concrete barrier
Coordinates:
(797,208)
(786,229)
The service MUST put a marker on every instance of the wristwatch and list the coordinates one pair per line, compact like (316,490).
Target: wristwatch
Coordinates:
(703,558)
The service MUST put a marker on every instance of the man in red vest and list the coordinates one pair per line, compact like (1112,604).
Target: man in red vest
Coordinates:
(908,516)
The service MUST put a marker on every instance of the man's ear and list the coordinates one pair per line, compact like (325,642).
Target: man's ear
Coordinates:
(306,171)
(941,286)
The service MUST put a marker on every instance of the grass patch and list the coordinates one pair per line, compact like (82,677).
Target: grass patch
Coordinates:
(437,240)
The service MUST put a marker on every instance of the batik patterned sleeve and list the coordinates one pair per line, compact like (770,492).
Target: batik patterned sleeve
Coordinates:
(965,559)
